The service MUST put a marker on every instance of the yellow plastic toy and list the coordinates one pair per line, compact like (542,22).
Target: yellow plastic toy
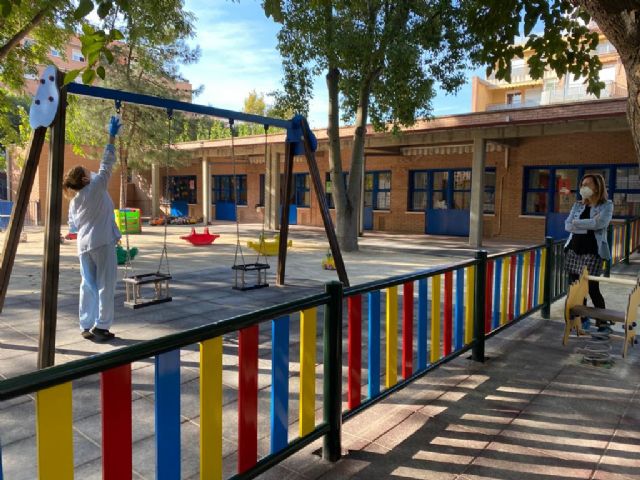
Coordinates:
(268,248)
(328,263)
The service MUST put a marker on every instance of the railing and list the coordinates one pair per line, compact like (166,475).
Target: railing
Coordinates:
(624,239)
(459,306)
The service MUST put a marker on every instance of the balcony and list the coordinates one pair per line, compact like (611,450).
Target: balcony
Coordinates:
(577,93)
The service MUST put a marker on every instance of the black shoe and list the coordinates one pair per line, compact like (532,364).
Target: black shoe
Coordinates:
(86,333)
(101,334)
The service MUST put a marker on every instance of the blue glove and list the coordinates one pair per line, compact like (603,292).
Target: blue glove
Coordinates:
(114,126)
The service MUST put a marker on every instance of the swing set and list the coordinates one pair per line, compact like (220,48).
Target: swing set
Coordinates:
(48,110)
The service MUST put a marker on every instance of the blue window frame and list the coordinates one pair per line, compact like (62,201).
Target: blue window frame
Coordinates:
(223,186)
(301,189)
(555,188)
(377,190)
(448,188)
(328,187)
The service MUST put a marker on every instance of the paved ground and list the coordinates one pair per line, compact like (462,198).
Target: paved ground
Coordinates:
(532,411)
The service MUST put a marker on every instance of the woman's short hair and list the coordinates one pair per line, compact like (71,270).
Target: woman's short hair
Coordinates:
(599,196)
(75,179)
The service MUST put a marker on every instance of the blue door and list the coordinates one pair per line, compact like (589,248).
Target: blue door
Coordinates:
(223,197)
(554,225)
(293,214)
(367,220)
(444,221)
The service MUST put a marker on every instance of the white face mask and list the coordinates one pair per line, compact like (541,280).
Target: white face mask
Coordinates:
(586,192)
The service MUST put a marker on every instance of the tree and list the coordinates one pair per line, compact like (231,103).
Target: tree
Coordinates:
(566,44)
(381,60)
(146,62)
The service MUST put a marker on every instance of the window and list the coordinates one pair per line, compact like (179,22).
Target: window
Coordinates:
(261,197)
(54,52)
(514,98)
(377,190)
(28,42)
(442,189)
(223,186)
(183,188)
(302,193)
(541,195)
(328,187)
(626,195)
(76,56)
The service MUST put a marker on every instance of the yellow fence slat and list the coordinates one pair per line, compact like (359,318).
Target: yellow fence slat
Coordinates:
(392,337)
(54,433)
(307,407)
(211,409)
(468,321)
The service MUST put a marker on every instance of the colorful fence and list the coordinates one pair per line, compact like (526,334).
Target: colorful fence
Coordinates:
(443,312)
(624,239)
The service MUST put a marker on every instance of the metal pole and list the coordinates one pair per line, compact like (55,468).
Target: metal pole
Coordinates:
(627,240)
(51,266)
(548,267)
(477,351)
(332,391)
(608,263)
(284,220)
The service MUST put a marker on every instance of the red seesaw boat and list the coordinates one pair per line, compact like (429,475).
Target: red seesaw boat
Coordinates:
(204,238)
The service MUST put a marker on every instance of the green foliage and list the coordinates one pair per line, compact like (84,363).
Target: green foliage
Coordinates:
(391,52)
(148,61)
(565,44)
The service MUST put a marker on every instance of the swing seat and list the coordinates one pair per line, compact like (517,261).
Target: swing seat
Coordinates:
(135,283)
(268,248)
(261,275)
(121,254)
(204,238)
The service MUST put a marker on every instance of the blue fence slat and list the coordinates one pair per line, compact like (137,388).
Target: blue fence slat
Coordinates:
(279,383)
(374,343)
(167,401)
(520,262)
(497,283)
(536,279)
(458,324)
(422,323)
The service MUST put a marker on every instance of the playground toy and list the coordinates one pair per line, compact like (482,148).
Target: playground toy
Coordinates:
(45,103)
(328,262)
(240,269)
(122,254)
(575,310)
(160,279)
(204,238)
(267,248)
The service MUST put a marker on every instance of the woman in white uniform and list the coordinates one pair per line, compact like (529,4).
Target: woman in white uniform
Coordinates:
(91,214)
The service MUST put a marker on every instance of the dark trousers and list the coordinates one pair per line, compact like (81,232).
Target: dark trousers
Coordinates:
(594,291)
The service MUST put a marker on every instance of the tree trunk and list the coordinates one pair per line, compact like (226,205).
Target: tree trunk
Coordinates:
(338,190)
(24,31)
(620,23)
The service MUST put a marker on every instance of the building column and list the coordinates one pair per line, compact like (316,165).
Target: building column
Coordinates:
(272,189)
(155,190)
(477,192)
(206,189)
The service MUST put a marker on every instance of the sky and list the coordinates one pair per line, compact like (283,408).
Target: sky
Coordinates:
(238,45)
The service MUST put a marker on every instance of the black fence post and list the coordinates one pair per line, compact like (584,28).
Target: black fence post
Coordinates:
(332,388)
(609,263)
(548,276)
(477,351)
(627,240)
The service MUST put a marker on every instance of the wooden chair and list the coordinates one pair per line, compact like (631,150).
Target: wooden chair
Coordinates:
(575,311)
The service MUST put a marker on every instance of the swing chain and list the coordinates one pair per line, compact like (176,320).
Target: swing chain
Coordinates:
(235,196)
(261,239)
(164,256)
